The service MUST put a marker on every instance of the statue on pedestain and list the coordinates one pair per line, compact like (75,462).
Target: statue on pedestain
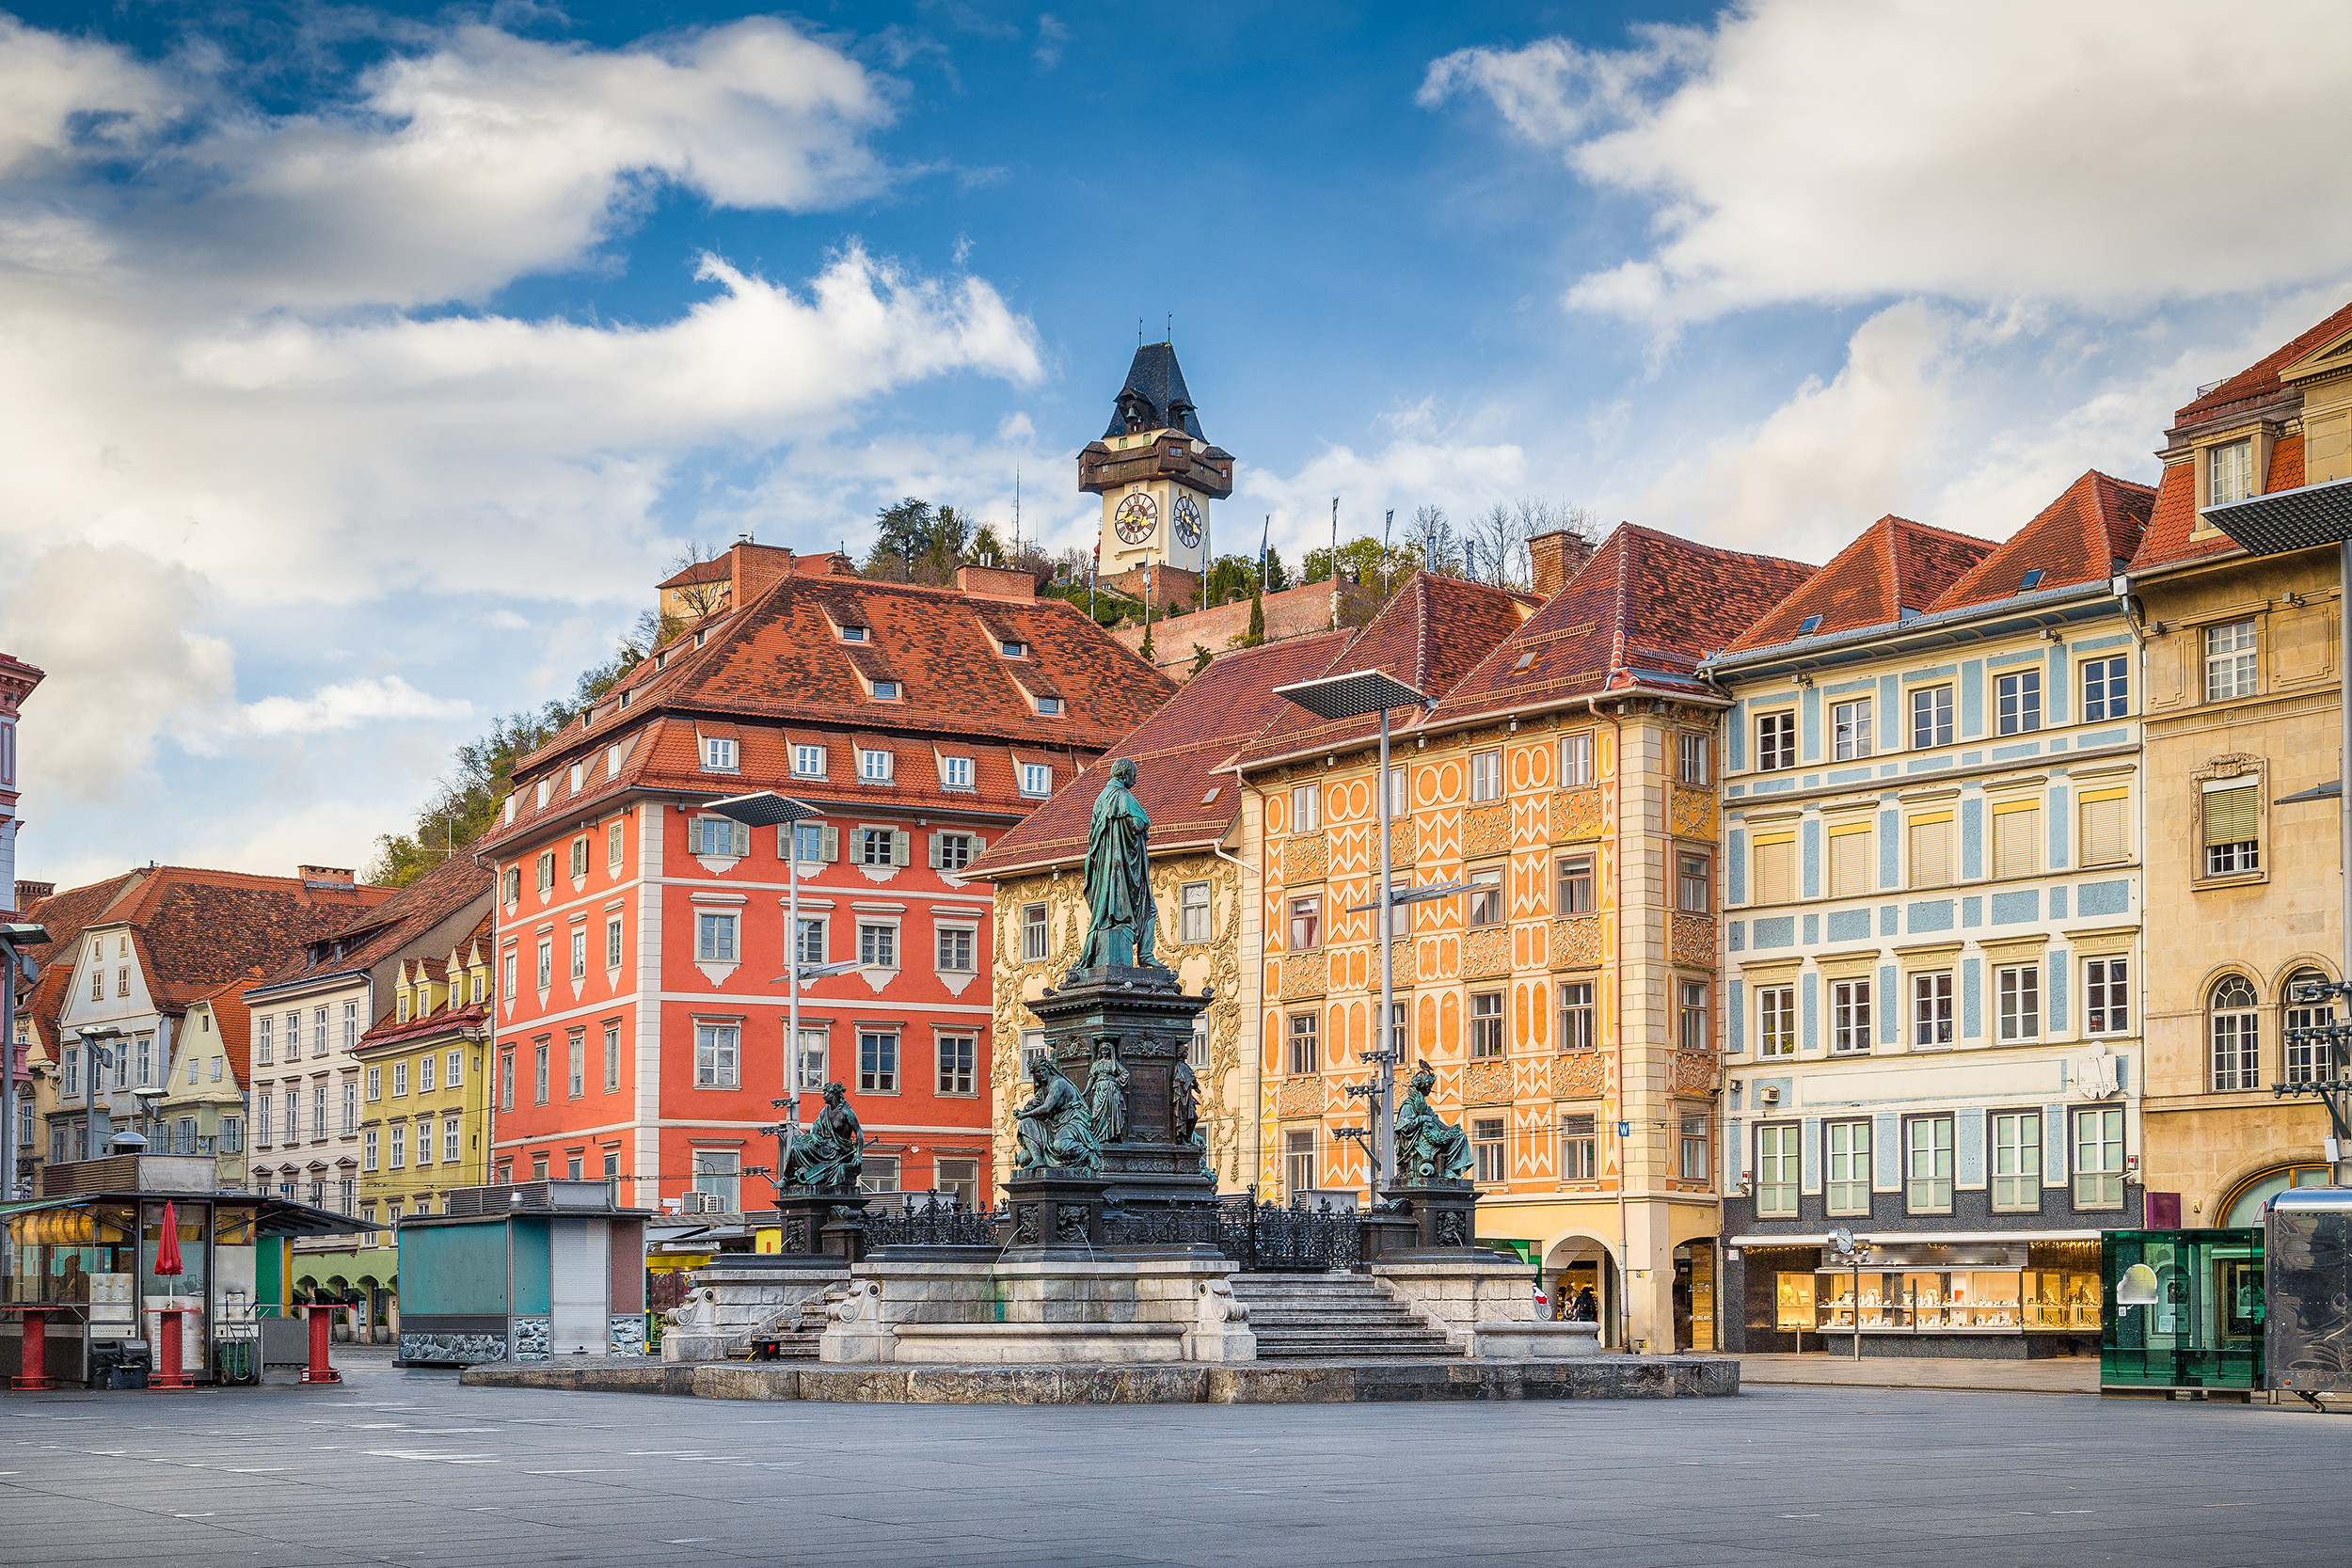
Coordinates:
(1056,1130)
(1429,1150)
(1122,919)
(829,1156)
(1107,1092)
(1183,1112)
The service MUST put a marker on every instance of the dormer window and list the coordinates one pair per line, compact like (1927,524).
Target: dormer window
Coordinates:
(886,692)
(698,638)
(2229,473)
(613,762)
(955,772)
(808,762)
(540,796)
(1037,779)
(1049,707)
(1807,626)
(717,754)
(1015,649)
(2031,579)
(625,697)
(579,774)
(852,634)
(873,766)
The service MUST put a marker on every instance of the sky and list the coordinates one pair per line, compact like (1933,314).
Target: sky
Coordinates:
(362,369)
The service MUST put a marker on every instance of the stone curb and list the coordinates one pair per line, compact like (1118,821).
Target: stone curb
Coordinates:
(1594,1377)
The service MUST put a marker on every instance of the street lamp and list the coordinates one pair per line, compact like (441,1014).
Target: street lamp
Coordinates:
(97,1057)
(765,808)
(15,965)
(1352,696)
(1850,1249)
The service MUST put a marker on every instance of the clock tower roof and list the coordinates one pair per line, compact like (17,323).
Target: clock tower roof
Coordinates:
(1154,396)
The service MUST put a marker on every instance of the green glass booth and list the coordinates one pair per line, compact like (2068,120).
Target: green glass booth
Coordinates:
(2182,1310)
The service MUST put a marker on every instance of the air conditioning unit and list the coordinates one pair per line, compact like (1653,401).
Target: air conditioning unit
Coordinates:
(702,1203)
(1768,1095)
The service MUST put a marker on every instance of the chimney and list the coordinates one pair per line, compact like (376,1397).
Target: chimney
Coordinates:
(1555,556)
(327,876)
(995,582)
(29,894)
(752,569)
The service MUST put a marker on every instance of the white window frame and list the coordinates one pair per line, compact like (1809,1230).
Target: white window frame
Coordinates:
(1846,1175)
(1779,1167)
(1576,760)
(2016,1161)
(875,767)
(1193,911)
(2017,1002)
(1776,740)
(2233,661)
(718,1053)
(1775,1022)
(2017,702)
(1931,1009)
(1486,776)
(1850,730)
(1037,780)
(1488,1027)
(808,762)
(1850,1017)
(1306,808)
(2107,996)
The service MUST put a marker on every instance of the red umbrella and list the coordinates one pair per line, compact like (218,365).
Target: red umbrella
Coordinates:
(168,1250)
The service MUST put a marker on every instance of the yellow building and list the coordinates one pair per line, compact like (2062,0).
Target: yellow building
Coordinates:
(2242,724)
(425,1097)
(1566,999)
(1203,874)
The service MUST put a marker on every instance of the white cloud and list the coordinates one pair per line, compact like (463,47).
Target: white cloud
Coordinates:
(2107,153)
(228,409)
(1456,470)
(347,705)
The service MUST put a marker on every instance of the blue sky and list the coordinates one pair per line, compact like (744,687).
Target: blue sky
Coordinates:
(367,367)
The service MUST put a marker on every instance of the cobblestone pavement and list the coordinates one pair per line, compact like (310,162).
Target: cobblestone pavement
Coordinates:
(407,1467)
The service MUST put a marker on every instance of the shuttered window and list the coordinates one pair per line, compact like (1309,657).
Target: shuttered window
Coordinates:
(1776,869)
(2229,815)
(2106,826)
(2017,839)
(1931,851)
(1850,860)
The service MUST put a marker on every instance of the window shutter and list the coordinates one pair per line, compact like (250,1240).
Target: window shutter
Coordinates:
(2231,815)
(741,839)
(934,844)
(902,847)
(1931,852)
(1776,870)
(2016,837)
(830,851)
(1850,862)
(2107,827)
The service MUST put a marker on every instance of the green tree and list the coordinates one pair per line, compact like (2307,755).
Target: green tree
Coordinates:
(1200,656)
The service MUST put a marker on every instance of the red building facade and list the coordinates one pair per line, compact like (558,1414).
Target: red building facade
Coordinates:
(642,1014)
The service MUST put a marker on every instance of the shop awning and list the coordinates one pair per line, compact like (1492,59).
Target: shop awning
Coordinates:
(1923,1238)
(283,1217)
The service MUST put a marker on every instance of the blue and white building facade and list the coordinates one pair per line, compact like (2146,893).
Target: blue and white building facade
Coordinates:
(1931,920)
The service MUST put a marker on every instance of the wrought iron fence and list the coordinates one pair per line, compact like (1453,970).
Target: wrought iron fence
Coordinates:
(1164,1228)
(1268,1237)
(938,1224)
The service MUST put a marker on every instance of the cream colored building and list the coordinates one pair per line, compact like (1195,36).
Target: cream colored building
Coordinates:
(2244,870)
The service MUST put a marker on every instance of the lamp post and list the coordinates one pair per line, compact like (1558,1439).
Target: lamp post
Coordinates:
(15,965)
(97,1056)
(765,808)
(1352,696)
(1850,1249)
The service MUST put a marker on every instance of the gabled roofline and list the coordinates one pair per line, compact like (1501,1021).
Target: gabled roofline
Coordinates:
(1924,626)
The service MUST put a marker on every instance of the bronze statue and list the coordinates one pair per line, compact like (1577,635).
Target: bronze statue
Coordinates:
(1107,1092)
(1429,1150)
(1123,921)
(1056,1130)
(1183,1111)
(829,1156)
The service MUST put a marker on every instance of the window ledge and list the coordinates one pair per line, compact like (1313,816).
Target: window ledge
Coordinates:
(2235,878)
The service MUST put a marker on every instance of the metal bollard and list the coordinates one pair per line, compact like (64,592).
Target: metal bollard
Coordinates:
(322,1322)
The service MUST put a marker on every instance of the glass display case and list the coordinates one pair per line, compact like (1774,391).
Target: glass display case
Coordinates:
(1931,1301)
(2063,1299)
(1795,1296)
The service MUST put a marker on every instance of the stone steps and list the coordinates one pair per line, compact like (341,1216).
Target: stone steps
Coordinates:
(1334,1316)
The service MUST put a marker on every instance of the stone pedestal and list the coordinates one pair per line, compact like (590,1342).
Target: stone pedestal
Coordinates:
(1147,1016)
(1444,1218)
(1486,1304)
(1055,1213)
(819,1224)
(1039,1309)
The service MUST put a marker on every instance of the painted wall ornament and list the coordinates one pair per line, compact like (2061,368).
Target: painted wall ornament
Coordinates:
(1056,1126)
(1429,1150)
(1123,920)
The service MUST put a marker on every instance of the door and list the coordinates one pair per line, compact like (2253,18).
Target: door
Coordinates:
(1694,1296)
(580,1266)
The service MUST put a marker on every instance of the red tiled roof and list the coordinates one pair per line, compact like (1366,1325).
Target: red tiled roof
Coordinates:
(65,914)
(392,1032)
(234,1020)
(439,895)
(2260,379)
(2168,540)
(721,570)
(778,663)
(1895,565)
(1177,753)
(1641,610)
(2086,536)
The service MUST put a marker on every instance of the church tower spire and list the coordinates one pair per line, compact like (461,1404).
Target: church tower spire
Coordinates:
(1155,470)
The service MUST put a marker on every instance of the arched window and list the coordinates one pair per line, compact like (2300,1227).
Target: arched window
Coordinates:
(2236,1036)
(2304,1061)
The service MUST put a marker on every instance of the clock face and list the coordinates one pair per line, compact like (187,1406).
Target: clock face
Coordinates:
(1188,522)
(1135,518)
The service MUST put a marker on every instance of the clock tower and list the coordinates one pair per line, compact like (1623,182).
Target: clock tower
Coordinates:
(1156,471)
